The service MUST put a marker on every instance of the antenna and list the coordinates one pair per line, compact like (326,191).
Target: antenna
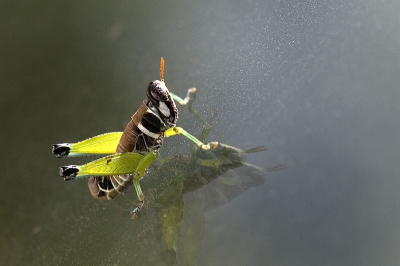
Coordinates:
(162,69)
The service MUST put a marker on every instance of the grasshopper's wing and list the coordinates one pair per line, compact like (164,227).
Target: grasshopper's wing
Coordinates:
(103,144)
(115,164)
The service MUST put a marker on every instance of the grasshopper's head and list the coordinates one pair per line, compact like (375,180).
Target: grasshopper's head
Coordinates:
(160,99)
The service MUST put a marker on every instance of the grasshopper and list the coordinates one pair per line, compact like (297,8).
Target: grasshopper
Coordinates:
(130,152)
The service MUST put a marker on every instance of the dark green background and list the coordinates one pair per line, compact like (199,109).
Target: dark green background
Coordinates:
(317,82)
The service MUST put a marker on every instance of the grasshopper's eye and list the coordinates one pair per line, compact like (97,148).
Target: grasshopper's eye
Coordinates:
(164,109)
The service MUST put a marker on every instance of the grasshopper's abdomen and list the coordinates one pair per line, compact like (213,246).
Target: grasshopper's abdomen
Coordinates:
(143,134)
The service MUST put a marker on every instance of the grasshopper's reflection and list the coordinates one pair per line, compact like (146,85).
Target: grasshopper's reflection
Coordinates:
(188,185)
(183,186)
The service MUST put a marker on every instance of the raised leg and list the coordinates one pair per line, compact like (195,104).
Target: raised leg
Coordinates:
(178,130)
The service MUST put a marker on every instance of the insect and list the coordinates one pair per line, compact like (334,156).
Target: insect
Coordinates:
(132,151)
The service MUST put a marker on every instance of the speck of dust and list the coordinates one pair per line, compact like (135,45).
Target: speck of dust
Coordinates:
(36,230)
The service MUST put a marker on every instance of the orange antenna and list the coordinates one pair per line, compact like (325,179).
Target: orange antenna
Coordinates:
(162,69)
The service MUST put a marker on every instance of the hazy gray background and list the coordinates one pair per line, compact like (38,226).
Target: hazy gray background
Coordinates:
(317,82)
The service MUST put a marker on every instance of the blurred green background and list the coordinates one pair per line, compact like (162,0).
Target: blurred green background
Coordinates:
(317,82)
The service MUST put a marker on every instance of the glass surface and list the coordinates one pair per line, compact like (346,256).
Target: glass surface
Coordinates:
(317,82)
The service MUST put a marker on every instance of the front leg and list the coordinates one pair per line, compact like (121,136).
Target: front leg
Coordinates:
(178,130)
